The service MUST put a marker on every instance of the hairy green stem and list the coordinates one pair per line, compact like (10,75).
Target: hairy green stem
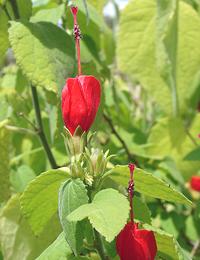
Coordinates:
(40,129)
(99,245)
(98,241)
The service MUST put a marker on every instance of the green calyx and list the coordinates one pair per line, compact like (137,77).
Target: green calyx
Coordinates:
(96,161)
(75,144)
(88,164)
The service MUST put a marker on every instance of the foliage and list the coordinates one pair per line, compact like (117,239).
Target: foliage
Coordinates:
(147,58)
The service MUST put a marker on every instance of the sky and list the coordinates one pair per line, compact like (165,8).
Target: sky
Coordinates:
(109,9)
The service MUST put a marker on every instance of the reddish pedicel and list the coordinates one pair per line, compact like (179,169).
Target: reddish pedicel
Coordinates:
(80,102)
(195,183)
(133,243)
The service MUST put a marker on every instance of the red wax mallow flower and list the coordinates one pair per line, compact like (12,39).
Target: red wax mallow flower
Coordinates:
(136,244)
(80,102)
(81,95)
(195,183)
(133,243)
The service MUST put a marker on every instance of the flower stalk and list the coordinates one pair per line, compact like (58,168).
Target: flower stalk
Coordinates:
(77,36)
(132,242)
(131,190)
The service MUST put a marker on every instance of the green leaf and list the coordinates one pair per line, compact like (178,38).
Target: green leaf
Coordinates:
(4,112)
(71,257)
(166,40)
(98,4)
(39,201)
(96,20)
(51,15)
(25,8)
(141,211)
(4,162)
(194,155)
(168,247)
(96,29)
(20,178)
(58,250)
(148,184)
(106,204)
(44,52)
(166,45)
(169,166)
(168,138)
(136,48)
(192,229)
(171,223)
(72,195)
(16,238)
(4,42)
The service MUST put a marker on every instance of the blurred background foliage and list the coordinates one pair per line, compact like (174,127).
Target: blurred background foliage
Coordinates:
(146,55)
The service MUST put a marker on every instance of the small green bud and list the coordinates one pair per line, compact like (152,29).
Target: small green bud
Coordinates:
(77,170)
(96,161)
(89,179)
(75,144)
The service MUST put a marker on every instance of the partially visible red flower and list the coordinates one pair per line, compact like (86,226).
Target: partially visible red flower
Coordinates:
(133,243)
(198,107)
(136,244)
(195,183)
(80,102)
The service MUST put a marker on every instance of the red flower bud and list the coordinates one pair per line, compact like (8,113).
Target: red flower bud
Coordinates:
(80,102)
(136,244)
(195,183)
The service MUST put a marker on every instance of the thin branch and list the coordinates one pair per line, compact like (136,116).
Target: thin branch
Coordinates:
(114,131)
(195,249)
(20,130)
(191,137)
(28,120)
(40,129)
(99,245)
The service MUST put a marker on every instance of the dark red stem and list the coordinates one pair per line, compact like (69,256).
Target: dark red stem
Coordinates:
(131,189)
(77,36)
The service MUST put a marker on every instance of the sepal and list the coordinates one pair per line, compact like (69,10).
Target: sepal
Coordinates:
(75,144)
(96,161)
